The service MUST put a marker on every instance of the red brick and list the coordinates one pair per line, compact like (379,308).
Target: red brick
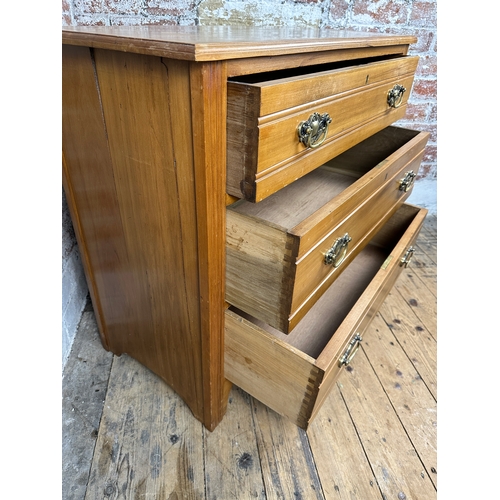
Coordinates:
(425,40)
(66,20)
(427,66)
(430,154)
(65,6)
(424,13)
(424,89)
(88,6)
(417,111)
(338,12)
(117,20)
(146,21)
(422,126)
(433,113)
(380,11)
(86,20)
(129,7)
(427,171)
(169,8)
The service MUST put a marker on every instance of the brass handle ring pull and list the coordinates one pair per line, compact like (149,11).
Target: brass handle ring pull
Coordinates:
(337,253)
(351,350)
(395,96)
(407,257)
(406,182)
(312,132)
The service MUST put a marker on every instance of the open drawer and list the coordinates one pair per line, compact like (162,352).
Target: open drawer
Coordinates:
(283,124)
(283,253)
(292,374)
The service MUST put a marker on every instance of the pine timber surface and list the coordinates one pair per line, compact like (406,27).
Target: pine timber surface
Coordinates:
(210,43)
(144,164)
(127,435)
(291,230)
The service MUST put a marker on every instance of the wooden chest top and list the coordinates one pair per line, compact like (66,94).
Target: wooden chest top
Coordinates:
(212,43)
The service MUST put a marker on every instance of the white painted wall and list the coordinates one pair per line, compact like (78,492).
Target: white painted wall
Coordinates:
(424,194)
(74,285)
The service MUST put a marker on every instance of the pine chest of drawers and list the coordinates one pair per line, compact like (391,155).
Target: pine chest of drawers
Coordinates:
(238,197)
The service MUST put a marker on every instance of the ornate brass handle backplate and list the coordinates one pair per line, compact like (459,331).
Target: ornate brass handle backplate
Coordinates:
(337,253)
(351,350)
(395,96)
(312,132)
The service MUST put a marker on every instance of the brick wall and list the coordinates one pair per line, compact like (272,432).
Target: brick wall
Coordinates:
(415,17)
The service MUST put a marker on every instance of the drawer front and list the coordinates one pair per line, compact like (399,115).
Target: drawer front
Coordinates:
(265,152)
(294,375)
(313,276)
(276,273)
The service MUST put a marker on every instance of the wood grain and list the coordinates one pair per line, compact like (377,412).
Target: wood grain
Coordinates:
(149,444)
(417,341)
(150,169)
(259,268)
(282,378)
(208,43)
(307,160)
(276,91)
(278,140)
(263,118)
(236,67)
(275,249)
(343,467)
(84,388)
(144,161)
(208,112)
(419,298)
(386,444)
(286,460)
(89,186)
(407,391)
(149,211)
(293,374)
(312,276)
(231,455)
(342,451)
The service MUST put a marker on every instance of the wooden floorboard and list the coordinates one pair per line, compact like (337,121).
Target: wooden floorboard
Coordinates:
(127,435)
(84,386)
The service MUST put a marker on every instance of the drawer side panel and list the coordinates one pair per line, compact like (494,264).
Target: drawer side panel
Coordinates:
(281,377)
(275,368)
(259,270)
(264,150)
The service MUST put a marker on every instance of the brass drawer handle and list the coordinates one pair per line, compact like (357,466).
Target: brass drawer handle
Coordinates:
(407,258)
(351,350)
(337,253)
(312,132)
(406,182)
(395,96)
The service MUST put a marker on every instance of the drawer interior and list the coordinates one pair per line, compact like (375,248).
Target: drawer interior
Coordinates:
(315,330)
(299,200)
(283,74)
